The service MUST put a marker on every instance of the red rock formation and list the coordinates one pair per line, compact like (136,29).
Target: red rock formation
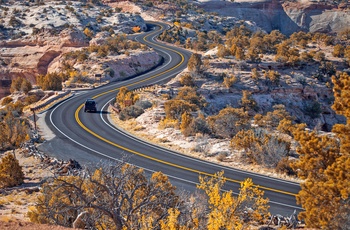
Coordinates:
(32,56)
(45,60)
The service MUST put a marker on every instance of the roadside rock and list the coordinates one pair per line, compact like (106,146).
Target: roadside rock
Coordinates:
(73,38)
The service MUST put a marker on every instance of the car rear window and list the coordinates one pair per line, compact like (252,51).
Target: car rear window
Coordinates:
(90,102)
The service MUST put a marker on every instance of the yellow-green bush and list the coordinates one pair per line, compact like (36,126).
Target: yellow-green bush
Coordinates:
(11,173)
(6,100)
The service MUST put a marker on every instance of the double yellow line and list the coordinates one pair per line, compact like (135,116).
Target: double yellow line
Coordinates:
(149,157)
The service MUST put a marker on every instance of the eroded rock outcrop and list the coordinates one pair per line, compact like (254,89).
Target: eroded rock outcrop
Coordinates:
(35,42)
(317,17)
(32,56)
(73,38)
(288,17)
(125,67)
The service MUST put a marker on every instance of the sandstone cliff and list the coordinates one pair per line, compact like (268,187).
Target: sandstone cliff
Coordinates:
(34,37)
(32,56)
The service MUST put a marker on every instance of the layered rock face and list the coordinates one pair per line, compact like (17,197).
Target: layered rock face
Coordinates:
(44,33)
(32,56)
(29,58)
(287,17)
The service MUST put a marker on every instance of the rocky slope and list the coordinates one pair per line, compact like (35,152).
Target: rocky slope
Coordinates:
(287,17)
(35,37)
(317,17)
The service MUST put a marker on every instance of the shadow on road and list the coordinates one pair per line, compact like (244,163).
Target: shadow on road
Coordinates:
(98,112)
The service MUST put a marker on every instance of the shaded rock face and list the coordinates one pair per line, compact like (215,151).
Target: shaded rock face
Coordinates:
(5,87)
(45,60)
(288,17)
(317,17)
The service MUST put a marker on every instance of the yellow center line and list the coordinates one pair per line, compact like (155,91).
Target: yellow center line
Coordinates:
(157,75)
(153,158)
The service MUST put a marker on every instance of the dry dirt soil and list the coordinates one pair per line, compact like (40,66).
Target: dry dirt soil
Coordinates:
(15,202)
(28,226)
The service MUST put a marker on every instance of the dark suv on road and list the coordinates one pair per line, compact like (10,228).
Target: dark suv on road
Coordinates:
(90,105)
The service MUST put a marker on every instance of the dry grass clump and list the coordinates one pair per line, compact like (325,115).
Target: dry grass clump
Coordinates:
(163,140)
(221,157)
(7,219)
(136,129)
(139,128)
(15,205)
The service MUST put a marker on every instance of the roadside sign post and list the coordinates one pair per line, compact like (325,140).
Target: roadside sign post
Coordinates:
(98,75)
(33,110)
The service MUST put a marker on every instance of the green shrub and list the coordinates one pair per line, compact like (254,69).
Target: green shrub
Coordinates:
(197,125)
(144,104)
(260,147)
(229,121)
(338,51)
(230,81)
(284,166)
(21,84)
(221,157)
(30,99)
(129,112)
(15,107)
(50,81)
(109,71)
(6,100)
(175,108)
(11,173)
(190,95)
(186,80)
(14,22)
(312,109)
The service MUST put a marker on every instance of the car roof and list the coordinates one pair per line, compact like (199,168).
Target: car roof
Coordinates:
(90,101)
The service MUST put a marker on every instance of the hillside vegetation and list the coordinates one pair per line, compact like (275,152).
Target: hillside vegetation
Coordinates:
(259,94)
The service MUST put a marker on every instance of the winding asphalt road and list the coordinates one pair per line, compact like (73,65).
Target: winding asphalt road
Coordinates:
(91,137)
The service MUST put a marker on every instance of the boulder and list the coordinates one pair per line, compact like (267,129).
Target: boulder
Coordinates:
(73,38)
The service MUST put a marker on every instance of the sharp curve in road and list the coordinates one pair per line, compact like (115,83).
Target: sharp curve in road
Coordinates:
(89,137)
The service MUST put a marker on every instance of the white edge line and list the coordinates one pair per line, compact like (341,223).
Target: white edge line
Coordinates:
(223,167)
(184,156)
(150,170)
(102,154)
